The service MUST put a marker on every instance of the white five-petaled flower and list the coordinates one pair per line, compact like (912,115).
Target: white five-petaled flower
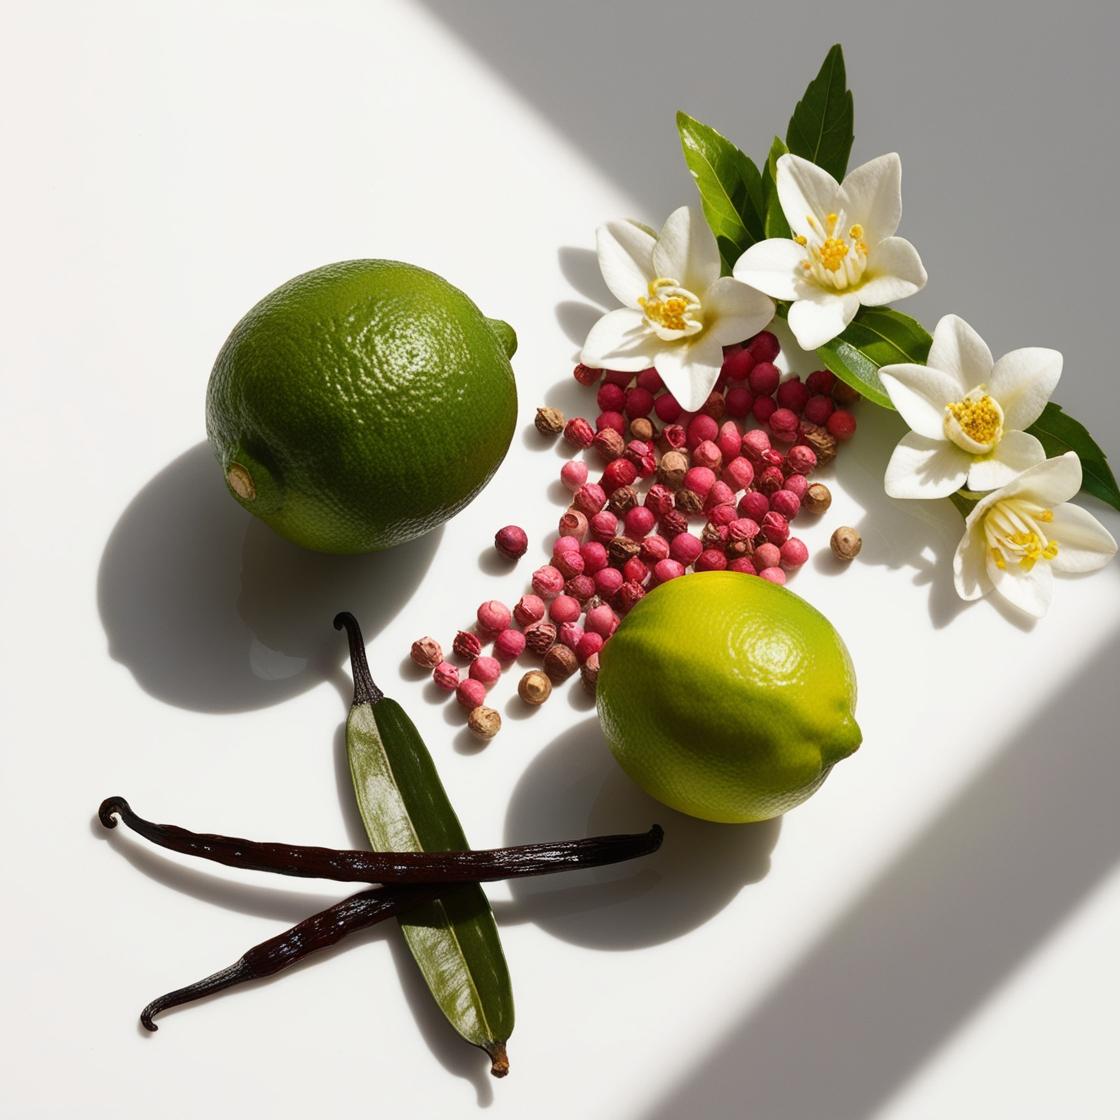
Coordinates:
(843,252)
(679,312)
(1018,536)
(967,413)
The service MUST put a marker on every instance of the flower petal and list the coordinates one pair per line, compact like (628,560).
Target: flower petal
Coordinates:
(1050,483)
(686,250)
(1023,382)
(625,252)
(819,316)
(1029,591)
(690,369)
(872,196)
(772,266)
(970,576)
(1084,544)
(925,468)
(896,272)
(734,312)
(959,350)
(1015,453)
(805,190)
(620,340)
(920,393)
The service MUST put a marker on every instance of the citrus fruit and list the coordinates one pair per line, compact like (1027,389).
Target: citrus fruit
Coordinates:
(361,405)
(727,697)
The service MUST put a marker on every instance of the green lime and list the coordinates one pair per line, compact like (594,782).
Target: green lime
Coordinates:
(361,405)
(727,697)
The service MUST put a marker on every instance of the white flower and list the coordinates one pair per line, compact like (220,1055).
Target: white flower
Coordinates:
(679,311)
(967,413)
(1017,537)
(843,252)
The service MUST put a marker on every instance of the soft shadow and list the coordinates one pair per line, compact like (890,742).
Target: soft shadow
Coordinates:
(957,912)
(575,788)
(580,267)
(212,610)
(576,319)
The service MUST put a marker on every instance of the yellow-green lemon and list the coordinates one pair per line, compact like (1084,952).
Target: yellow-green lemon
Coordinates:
(361,405)
(727,697)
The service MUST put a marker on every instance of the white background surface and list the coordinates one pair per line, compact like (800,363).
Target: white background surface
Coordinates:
(932,935)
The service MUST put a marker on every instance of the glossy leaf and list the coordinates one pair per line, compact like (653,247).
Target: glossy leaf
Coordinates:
(1059,432)
(730,188)
(821,128)
(774,221)
(877,336)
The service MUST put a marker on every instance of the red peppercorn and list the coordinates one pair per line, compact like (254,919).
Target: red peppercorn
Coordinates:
(772,458)
(770,480)
(619,472)
(741,534)
(738,400)
(794,553)
(639,401)
(699,480)
(783,423)
(638,522)
(738,474)
(608,581)
(818,409)
(700,427)
(767,556)
(589,644)
(594,554)
(720,494)
(654,548)
(714,536)
(579,432)
(659,498)
(707,454)
(611,422)
(666,408)
(573,524)
(635,570)
(710,560)
(755,443)
(573,474)
(729,441)
(586,375)
(509,644)
(722,514)
(446,676)
(673,437)
(843,394)
(754,504)
(742,564)
(793,395)
(650,380)
(775,528)
(629,594)
(841,424)
(547,582)
(764,379)
(820,381)
(466,644)
(684,548)
(528,610)
(738,364)
(610,397)
(785,502)
(493,616)
(665,570)
(569,634)
(564,609)
(765,346)
(714,406)
(470,693)
(672,523)
(618,377)
(486,669)
(801,459)
(603,526)
(763,408)
(797,484)
(511,541)
(646,464)
(569,563)
(773,575)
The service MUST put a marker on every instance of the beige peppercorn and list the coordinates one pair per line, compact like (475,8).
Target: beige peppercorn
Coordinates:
(484,722)
(672,468)
(560,663)
(589,673)
(817,498)
(535,687)
(549,421)
(845,543)
(641,428)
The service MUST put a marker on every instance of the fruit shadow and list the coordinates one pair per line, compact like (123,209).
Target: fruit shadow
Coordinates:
(212,611)
(574,787)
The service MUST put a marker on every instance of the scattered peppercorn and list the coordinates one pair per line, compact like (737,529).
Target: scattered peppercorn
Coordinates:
(484,722)
(535,687)
(426,653)
(817,498)
(446,676)
(622,499)
(466,645)
(539,637)
(549,421)
(511,541)
(560,662)
(589,673)
(579,432)
(494,616)
(509,644)
(641,428)
(470,693)
(845,543)
(485,669)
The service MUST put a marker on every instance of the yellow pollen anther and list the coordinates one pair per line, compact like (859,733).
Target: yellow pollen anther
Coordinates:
(801,239)
(669,312)
(833,252)
(979,418)
(831,221)
(856,232)
(1044,515)
(997,559)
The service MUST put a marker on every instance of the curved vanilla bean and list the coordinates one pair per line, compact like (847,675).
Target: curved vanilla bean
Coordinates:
(312,934)
(349,866)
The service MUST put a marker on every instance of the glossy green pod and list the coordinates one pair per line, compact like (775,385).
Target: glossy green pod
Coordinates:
(404,807)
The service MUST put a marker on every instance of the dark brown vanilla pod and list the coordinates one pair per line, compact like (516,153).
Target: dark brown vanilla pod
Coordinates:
(355,866)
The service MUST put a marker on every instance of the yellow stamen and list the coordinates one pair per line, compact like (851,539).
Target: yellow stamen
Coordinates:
(997,559)
(801,239)
(856,232)
(1044,515)
(668,312)
(831,221)
(833,252)
(979,418)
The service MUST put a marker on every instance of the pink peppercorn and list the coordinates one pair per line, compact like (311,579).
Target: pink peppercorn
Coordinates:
(700,428)
(720,494)
(820,381)
(738,364)
(529,609)
(775,528)
(742,564)
(589,499)
(672,523)
(764,379)
(618,377)
(714,405)
(565,544)
(619,472)
(446,676)
(684,548)
(665,570)
(699,480)
(613,424)
(564,609)
(707,454)
(594,555)
(579,432)
(470,693)
(573,474)
(770,480)
(755,443)
(641,455)
(638,522)
(586,375)
(608,443)
(466,645)
(654,548)
(763,408)
(635,570)
(581,588)
(674,437)
(773,575)
(784,424)
(666,408)
(710,560)
(772,458)
(569,563)
(767,556)
(588,645)
(569,634)
(601,620)
(738,474)
(547,582)
(610,397)
(511,541)
(639,402)
(738,400)
(714,536)
(729,441)
(659,499)
(792,394)
(742,531)
(841,424)
(765,346)
(629,594)
(573,524)
(797,484)
(486,669)
(608,581)
(794,553)
(722,514)
(785,502)
(819,408)
(801,459)
(603,526)
(650,380)
(494,616)
(754,504)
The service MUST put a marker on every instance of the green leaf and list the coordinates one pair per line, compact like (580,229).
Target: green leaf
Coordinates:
(821,126)
(1059,432)
(730,187)
(774,221)
(877,336)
